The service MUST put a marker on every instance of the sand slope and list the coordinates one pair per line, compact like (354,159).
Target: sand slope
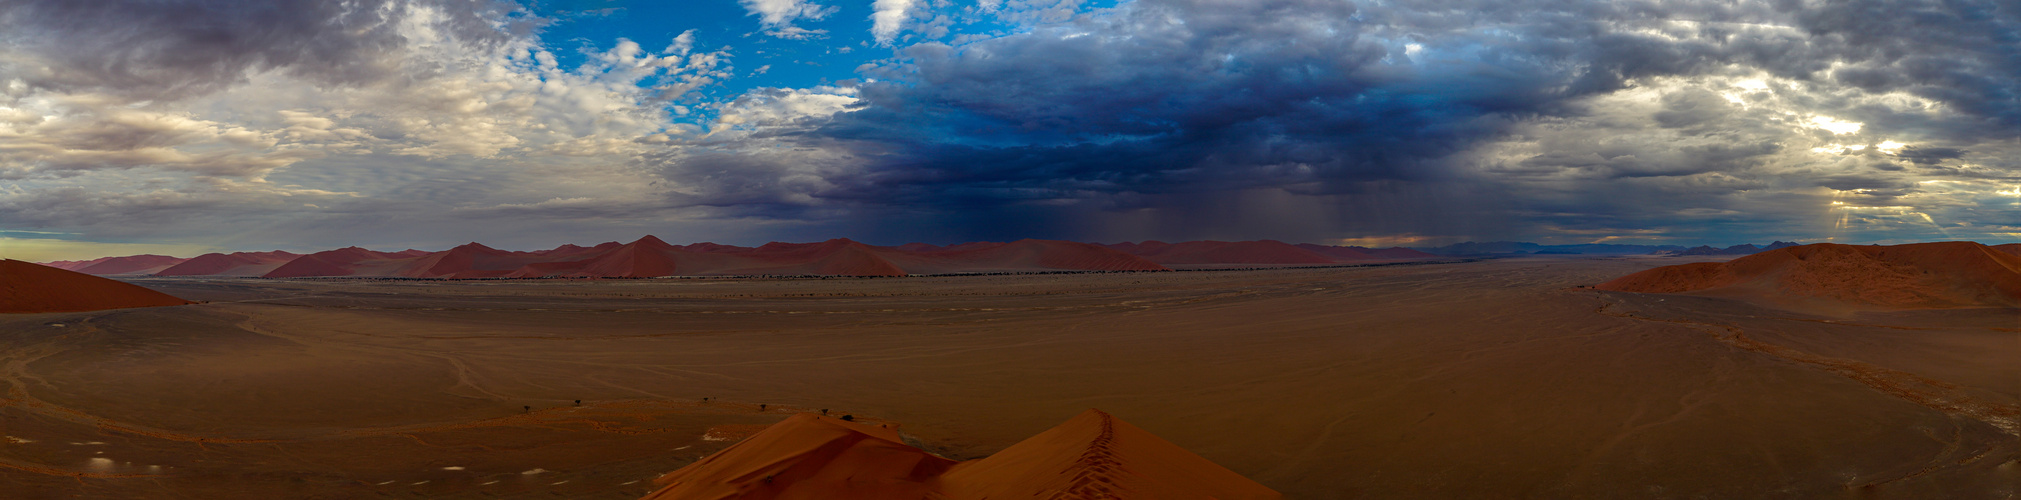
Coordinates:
(231,264)
(33,288)
(1913,276)
(1092,456)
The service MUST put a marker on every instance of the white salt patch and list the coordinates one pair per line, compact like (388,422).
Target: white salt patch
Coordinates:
(418,484)
(535,471)
(492,482)
(385,483)
(452,467)
(16,440)
(552,484)
(629,482)
(685,447)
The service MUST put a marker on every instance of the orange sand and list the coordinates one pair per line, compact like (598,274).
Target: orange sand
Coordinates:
(33,288)
(812,457)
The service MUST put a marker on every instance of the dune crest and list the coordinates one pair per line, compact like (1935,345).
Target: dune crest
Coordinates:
(810,456)
(231,264)
(1913,276)
(34,288)
(131,264)
(1091,456)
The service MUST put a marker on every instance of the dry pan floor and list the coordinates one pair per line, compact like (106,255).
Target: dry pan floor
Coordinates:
(1482,379)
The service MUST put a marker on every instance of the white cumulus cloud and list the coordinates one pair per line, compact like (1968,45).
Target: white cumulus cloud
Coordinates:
(889,18)
(778,16)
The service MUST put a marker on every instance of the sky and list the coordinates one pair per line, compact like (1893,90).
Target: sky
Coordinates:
(183,126)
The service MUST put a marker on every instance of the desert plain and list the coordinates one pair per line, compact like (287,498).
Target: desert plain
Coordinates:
(1499,378)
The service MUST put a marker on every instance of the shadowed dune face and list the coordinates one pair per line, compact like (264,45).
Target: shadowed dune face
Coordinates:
(33,288)
(1913,276)
(1488,379)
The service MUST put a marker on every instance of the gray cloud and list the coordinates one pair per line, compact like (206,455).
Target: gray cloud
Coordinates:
(171,49)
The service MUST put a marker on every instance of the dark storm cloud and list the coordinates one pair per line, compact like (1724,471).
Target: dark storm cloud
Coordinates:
(1931,155)
(1322,97)
(152,49)
(1169,97)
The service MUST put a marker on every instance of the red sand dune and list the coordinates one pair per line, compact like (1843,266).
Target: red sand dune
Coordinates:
(132,264)
(231,264)
(645,257)
(73,265)
(1092,456)
(2010,248)
(346,261)
(33,288)
(1095,455)
(1913,276)
(473,260)
(812,457)
(836,257)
